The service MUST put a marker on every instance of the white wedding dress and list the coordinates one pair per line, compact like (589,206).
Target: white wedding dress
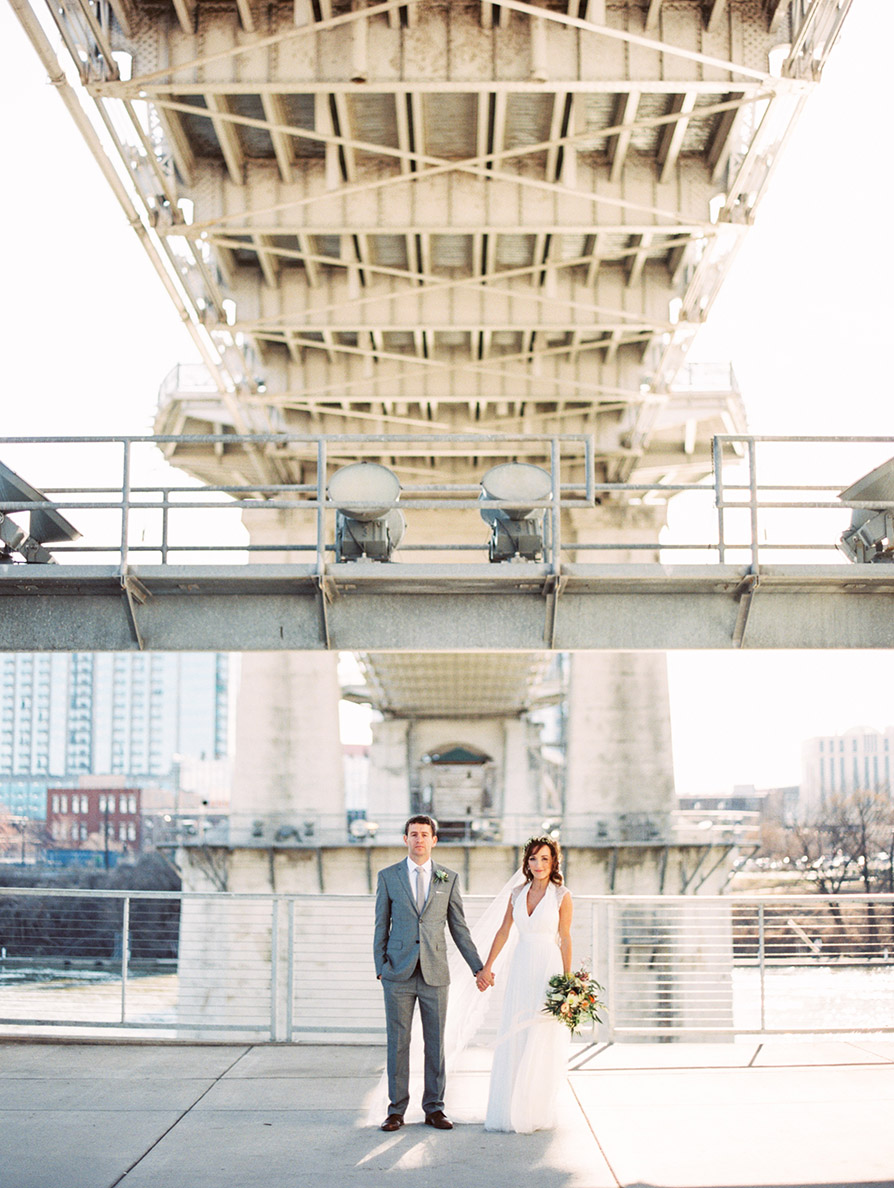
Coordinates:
(531,1056)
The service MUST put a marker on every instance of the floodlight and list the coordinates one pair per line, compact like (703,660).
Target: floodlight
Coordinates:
(44,525)
(367,524)
(516,530)
(870,537)
(552,829)
(363,830)
(484,829)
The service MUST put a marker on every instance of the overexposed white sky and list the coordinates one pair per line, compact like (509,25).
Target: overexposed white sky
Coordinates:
(804,316)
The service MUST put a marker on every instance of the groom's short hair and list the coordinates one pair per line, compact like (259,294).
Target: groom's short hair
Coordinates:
(422,819)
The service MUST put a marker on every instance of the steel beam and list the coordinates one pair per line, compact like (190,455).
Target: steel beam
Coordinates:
(406,608)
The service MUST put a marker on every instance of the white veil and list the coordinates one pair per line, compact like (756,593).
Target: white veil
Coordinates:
(472,1014)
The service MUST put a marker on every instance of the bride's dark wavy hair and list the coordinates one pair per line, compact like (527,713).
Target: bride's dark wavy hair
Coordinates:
(534,843)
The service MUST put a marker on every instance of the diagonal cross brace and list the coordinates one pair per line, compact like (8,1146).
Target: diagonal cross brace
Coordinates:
(135,593)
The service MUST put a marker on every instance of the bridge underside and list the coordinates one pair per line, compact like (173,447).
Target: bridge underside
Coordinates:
(443,216)
(435,218)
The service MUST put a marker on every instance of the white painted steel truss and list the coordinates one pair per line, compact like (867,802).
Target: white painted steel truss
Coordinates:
(509,217)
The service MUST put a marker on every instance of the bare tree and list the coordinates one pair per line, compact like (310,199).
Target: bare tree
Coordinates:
(842,844)
(841,841)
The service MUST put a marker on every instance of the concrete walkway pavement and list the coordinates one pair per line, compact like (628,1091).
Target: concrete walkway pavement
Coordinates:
(146,1115)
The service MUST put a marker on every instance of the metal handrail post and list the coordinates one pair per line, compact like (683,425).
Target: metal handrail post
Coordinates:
(165,496)
(602,958)
(761,964)
(321,510)
(717,450)
(125,501)
(290,972)
(274,963)
(752,502)
(610,981)
(125,956)
(556,542)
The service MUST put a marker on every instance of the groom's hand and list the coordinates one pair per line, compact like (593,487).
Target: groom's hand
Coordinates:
(484,979)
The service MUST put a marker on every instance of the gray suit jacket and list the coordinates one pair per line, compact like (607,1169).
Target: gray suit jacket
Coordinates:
(404,936)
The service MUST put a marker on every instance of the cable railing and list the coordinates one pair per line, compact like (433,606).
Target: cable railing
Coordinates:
(767,499)
(262,967)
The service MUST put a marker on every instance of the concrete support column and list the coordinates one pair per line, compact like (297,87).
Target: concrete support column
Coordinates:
(619,756)
(398,764)
(288,770)
(522,810)
(457,527)
(389,777)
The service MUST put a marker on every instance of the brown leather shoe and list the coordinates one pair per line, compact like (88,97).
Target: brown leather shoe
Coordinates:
(392,1122)
(439,1120)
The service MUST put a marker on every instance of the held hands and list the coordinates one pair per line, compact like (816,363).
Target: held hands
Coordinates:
(483,979)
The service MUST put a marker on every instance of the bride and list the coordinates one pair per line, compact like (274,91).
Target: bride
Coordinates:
(532,1048)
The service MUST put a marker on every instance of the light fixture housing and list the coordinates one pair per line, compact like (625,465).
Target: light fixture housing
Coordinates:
(367,524)
(870,537)
(517,530)
(45,525)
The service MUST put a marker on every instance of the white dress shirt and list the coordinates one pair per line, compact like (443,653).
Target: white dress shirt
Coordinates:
(426,869)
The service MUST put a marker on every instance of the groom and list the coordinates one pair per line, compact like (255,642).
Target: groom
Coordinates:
(414,900)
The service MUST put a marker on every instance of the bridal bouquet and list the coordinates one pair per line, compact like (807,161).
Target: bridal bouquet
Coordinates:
(574,998)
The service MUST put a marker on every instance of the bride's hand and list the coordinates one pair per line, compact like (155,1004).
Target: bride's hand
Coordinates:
(483,979)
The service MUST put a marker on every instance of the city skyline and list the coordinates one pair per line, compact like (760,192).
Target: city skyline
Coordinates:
(64,716)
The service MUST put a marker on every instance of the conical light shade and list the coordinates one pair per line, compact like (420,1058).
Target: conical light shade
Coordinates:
(519,482)
(364,483)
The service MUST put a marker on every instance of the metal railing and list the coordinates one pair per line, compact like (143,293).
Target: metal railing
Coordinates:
(124,515)
(313,829)
(760,506)
(774,487)
(264,967)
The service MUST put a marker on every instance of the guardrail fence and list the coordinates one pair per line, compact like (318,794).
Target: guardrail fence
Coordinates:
(296,968)
(767,498)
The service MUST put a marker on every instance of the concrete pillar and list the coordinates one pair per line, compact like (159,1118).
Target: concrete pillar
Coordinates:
(522,808)
(388,793)
(397,769)
(454,526)
(619,757)
(288,769)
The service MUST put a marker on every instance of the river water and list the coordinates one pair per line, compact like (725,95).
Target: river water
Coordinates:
(829,998)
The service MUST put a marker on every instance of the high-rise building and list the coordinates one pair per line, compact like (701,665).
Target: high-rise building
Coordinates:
(861,759)
(136,715)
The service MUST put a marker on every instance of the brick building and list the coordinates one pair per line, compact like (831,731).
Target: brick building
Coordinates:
(96,819)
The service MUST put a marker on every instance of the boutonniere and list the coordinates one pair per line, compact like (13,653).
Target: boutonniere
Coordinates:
(441,876)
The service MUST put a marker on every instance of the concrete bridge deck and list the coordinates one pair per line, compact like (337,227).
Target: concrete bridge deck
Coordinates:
(88,1115)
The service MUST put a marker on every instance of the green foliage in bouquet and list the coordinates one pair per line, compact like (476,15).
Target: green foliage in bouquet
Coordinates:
(573,999)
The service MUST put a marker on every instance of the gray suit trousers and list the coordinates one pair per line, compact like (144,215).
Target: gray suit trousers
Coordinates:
(400,1001)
